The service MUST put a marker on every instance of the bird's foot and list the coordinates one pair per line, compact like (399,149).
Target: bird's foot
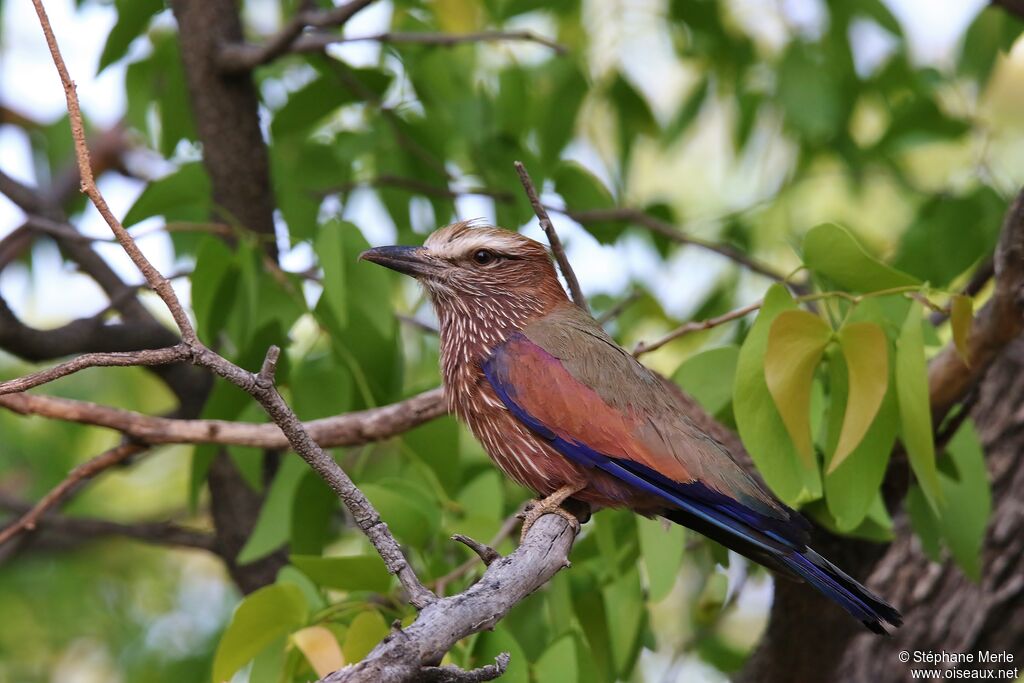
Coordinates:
(551,505)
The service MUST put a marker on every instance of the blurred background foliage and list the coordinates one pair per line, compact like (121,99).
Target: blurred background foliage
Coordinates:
(743,123)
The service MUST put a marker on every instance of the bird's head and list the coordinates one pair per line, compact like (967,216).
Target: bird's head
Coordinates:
(464,262)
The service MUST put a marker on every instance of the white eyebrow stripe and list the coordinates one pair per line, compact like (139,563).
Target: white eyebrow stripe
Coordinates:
(468,242)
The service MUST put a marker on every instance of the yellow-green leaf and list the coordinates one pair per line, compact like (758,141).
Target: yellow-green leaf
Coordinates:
(915,409)
(850,487)
(961,313)
(366,630)
(762,430)
(261,618)
(867,365)
(320,648)
(796,341)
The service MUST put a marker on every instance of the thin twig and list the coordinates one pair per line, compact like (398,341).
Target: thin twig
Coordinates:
(166,356)
(420,325)
(240,57)
(617,310)
(317,42)
(672,233)
(86,470)
(582,216)
(556,244)
(695,326)
(157,281)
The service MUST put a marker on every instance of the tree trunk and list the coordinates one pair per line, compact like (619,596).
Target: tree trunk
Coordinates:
(944,611)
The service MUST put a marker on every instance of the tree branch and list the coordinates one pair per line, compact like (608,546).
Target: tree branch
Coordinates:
(85,471)
(234,58)
(349,429)
(1014,7)
(583,216)
(669,231)
(695,326)
(453,674)
(172,354)
(998,322)
(400,656)
(87,528)
(556,244)
(318,42)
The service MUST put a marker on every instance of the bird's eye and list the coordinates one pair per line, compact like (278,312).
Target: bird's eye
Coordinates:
(483,257)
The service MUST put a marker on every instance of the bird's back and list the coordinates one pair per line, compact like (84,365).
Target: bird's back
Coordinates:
(660,424)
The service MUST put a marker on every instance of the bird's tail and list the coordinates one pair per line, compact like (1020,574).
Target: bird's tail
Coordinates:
(839,587)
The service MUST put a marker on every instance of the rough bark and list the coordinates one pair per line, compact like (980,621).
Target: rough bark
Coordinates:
(226,112)
(944,610)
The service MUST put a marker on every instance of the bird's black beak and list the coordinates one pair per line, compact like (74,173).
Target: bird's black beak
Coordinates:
(409,260)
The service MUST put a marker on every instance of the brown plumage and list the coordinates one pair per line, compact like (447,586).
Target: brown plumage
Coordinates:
(566,412)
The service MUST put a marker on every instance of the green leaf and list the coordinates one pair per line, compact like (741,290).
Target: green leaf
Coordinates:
(183,195)
(262,617)
(330,251)
(796,341)
(132,19)
(961,315)
(831,250)
(365,631)
(662,550)
(708,377)
(810,92)
(915,409)
(580,188)
(851,487)
(968,499)
(867,365)
(484,496)
(412,515)
(308,105)
(763,432)
(274,522)
(624,601)
(313,510)
(346,573)
(949,235)
(214,285)
(558,663)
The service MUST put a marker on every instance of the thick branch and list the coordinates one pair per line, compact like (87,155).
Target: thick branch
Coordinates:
(239,57)
(998,322)
(556,244)
(400,656)
(349,429)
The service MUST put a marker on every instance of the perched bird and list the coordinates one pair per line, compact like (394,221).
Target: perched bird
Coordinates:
(566,412)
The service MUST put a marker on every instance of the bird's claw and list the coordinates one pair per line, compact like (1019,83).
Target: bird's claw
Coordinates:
(539,508)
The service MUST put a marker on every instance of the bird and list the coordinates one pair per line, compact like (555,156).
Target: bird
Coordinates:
(566,412)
